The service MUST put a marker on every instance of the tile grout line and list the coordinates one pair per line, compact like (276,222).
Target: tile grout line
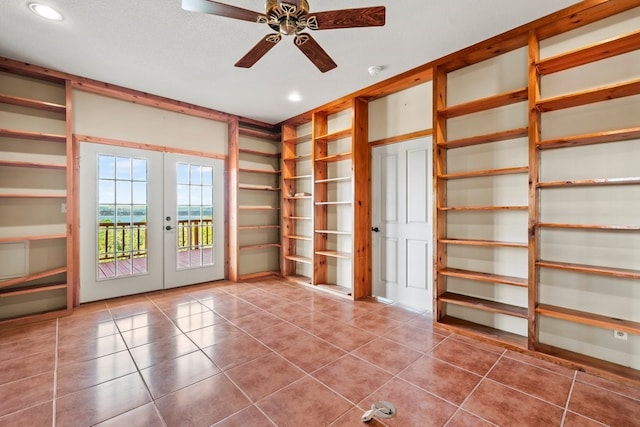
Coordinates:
(138,368)
(474,390)
(114,320)
(195,299)
(566,405)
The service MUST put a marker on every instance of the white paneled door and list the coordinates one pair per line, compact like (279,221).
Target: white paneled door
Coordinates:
(148,220)
(402,223)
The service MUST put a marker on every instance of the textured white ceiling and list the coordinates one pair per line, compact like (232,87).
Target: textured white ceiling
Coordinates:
(154,46)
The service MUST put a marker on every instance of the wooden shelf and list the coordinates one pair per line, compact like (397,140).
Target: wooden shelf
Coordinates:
(296,237)
(334,288)
(596,52)
(32,277)
(298,279)
(258,153)
(298,158)
(345,233)
(484,208)
(259,133)
(334,158)
(14,195)
(31,289)
(592,138)
(257,208)
(485,243)
(32,103)
(257,187)
(299,139)
(590,226)
(590,182)
(484,104)
(298,177)
(268,172)
(487,172)
(334,136)
(301,218)
(330,180)
(298,197)
(590,269)
(607,93)
(333,203)
(483,332)
(39,165)
(32,238)
(484,277)
(259,246)
(335,254)
(258,227)
(590,319)
(298,258)
(258,275)
(483,304)
(49,137)
(599,367)
(487,138)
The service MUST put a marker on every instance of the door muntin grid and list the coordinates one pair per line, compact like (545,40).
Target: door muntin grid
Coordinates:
(194,216)
(122,231)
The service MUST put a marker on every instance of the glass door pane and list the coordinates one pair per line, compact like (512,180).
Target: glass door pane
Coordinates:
(122,216)
(194,195)
(194,219)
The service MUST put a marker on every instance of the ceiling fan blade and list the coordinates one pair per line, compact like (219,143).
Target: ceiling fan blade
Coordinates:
(314,52)
(221,9)
(349,18)
(259,50)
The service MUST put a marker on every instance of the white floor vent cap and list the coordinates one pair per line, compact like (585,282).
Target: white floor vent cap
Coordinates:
(379,409)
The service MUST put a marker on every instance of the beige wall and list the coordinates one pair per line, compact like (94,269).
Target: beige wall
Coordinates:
(105,117)
(403,112)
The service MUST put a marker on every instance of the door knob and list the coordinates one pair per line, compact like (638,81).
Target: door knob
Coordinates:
(375,229)
(168,228)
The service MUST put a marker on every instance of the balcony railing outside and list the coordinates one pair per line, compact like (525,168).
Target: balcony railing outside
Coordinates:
(124,240)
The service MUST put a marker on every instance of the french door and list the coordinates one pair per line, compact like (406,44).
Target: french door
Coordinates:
(148,220)
(401,217)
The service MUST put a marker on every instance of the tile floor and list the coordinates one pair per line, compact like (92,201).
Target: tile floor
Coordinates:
(271,353)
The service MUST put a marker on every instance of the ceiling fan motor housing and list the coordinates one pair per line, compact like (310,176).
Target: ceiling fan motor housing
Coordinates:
(287,17)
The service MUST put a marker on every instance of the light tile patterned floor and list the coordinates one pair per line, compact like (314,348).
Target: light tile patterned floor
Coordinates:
(272,353)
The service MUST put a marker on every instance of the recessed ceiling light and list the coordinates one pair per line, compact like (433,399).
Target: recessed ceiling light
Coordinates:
(46,12)
(295,97)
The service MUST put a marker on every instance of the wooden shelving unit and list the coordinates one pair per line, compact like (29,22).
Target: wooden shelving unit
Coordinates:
(256,158)
(623,184)
(582,231)
(297,199)
(325,203)
(333,204)
(34,176)
(468,298)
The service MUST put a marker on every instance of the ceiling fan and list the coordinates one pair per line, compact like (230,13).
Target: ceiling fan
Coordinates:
(291,18)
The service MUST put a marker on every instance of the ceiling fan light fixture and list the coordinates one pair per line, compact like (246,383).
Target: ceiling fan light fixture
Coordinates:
(44,11)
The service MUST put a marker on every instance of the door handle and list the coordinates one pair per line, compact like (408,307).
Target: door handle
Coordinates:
(169,228)
(375,229)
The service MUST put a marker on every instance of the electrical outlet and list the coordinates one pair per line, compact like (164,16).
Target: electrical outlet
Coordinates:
(63,208)
(620,335)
